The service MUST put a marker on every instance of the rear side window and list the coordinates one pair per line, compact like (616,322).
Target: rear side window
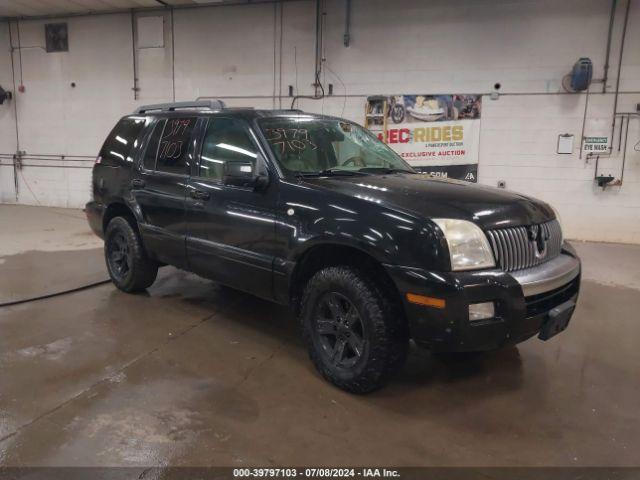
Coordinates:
(117,148)
(149,161)
(173,150)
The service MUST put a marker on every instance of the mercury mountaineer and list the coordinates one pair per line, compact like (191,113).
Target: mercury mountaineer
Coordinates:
(315,212)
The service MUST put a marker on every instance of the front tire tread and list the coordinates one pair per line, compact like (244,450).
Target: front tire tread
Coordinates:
(388,344)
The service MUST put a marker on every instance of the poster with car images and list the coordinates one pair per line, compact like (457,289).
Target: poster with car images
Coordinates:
(436,134)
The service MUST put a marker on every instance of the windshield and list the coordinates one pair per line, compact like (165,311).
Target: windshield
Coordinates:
(314,146)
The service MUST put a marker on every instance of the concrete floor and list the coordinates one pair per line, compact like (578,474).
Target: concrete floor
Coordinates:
(46,251)
(195,374)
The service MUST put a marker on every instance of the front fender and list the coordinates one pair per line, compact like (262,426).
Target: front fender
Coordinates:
(308,217)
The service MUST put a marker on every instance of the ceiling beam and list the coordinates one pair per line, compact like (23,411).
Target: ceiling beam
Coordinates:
(223,3)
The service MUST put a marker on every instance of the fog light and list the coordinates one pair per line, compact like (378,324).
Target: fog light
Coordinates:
(481,311)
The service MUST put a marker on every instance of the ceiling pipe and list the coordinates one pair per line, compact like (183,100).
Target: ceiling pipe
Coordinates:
(134,51)
(318,54)
(617,92)
(615,115)
(609,34)
(622,42)
(347,24)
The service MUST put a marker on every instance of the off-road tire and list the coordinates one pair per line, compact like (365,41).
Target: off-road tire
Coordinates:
(141,271)
(384,329)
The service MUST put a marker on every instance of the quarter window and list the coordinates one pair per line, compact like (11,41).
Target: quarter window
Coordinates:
(120,142)
(173,147)
(226,140)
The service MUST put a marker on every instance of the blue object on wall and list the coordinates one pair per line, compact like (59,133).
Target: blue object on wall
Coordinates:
(581,74)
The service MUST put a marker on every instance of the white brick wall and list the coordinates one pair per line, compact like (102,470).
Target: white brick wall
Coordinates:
(405,46)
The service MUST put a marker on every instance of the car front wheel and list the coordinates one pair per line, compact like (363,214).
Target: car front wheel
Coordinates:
(353,330)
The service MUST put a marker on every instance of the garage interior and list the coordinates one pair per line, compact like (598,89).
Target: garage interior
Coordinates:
(191,373)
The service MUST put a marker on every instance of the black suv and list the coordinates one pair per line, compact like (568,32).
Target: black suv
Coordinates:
(314,212)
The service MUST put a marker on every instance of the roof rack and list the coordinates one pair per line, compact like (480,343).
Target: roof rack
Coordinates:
(210,104)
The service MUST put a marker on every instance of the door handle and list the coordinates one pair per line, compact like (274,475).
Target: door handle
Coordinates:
(199,194)
(137,183)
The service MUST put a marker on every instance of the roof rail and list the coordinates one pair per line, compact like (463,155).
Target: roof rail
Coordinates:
(286,110)
(210,104)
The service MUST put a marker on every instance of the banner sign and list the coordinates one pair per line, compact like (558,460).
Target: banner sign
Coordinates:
(434,133)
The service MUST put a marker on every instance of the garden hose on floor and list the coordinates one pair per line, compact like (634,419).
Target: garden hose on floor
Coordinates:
(56,294)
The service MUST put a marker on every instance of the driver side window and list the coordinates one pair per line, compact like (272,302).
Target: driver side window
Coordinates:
(226,140)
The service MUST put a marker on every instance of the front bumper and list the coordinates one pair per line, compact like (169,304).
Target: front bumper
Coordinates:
(522,302)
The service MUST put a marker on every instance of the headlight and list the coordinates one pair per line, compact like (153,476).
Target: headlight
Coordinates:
(468,245)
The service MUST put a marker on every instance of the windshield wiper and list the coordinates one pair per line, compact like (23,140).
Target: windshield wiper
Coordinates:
(339,171)
(331,172)
(383,170)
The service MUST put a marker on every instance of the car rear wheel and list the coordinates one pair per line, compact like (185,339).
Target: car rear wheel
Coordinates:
(353,330)
(129,267)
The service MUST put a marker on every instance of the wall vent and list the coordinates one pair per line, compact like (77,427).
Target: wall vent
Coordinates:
(56,36)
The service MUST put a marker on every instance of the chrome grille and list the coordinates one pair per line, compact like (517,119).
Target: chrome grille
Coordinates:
(513,250)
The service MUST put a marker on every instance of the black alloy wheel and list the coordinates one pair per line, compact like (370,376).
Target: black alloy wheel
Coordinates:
(129,266)
(118,256)
(339,330)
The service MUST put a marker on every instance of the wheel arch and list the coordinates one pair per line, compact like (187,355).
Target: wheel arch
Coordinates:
(324,255)
(118,209)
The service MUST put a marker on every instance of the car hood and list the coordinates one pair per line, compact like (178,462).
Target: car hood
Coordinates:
(430,197)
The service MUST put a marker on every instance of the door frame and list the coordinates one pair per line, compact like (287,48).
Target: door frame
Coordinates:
(153,234)
(228,252)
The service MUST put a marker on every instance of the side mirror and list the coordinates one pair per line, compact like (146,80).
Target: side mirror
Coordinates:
(243,174)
